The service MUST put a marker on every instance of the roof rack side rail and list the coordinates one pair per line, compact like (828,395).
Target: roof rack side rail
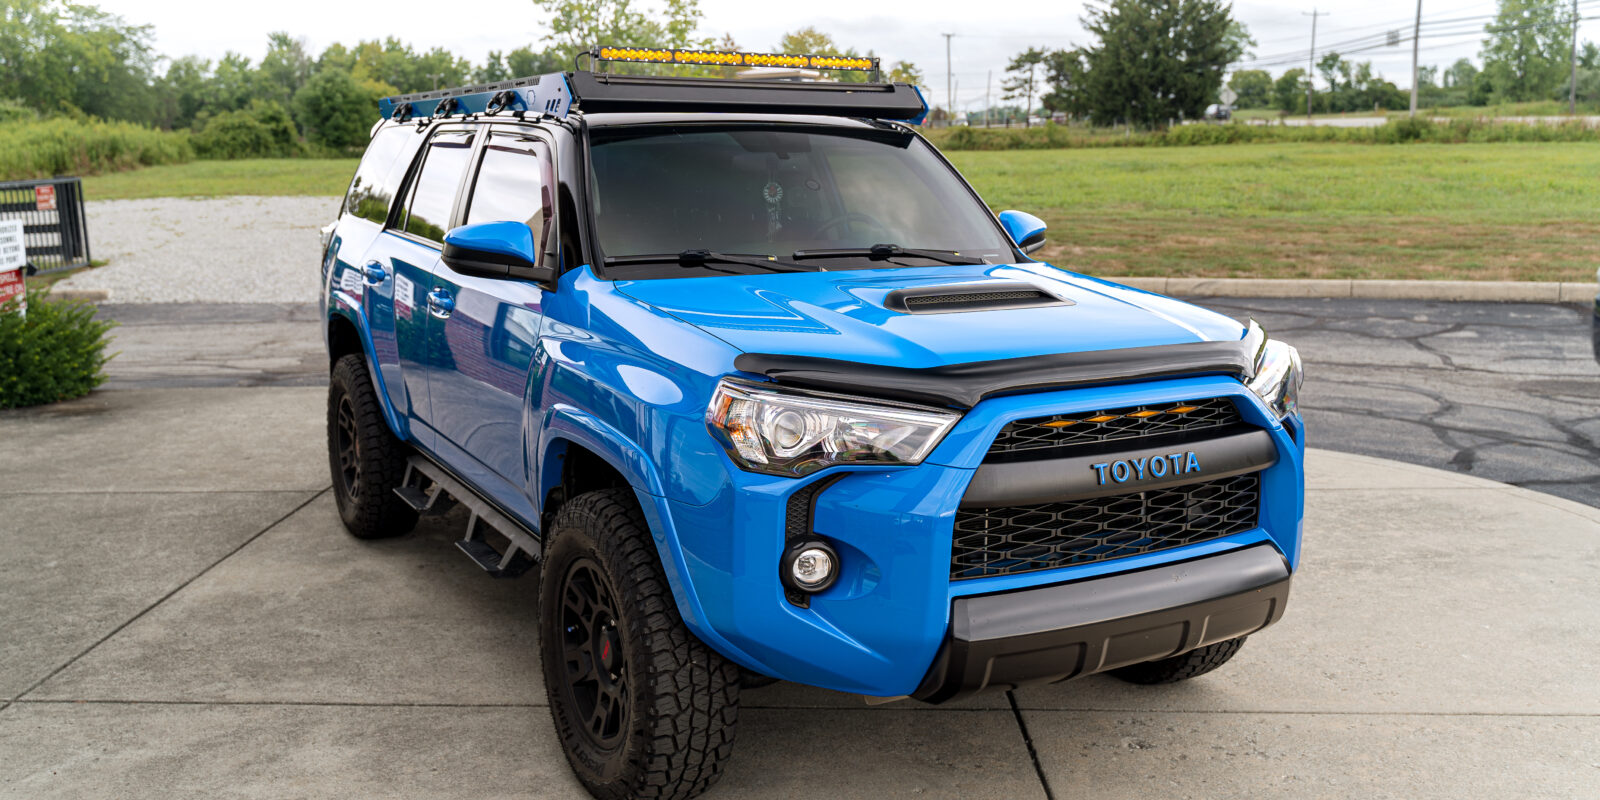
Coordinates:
(538,94)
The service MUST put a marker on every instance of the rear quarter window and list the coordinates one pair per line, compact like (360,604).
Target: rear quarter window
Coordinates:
(380,173)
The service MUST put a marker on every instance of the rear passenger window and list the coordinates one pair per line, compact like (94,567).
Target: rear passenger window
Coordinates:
(376,179)
(516,183)
(433,193)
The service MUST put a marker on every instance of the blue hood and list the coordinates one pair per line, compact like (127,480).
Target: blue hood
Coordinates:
(842,315)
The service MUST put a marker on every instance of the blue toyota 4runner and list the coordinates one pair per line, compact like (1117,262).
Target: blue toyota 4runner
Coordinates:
(766,392)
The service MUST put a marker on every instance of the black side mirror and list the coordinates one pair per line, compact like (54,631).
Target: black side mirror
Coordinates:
(496,250)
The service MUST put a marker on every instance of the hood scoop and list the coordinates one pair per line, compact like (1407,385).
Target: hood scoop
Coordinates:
(994,296)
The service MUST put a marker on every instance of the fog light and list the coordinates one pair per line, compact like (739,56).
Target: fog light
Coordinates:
(811,566)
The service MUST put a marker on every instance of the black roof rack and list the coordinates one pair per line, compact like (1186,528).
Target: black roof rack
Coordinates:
(557,93)
(601,93)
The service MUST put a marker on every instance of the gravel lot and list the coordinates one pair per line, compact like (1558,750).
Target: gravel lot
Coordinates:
(221,250)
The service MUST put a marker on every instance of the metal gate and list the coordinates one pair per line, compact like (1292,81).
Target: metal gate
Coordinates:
(55,230)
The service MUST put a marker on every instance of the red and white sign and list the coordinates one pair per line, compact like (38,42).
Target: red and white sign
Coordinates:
(13,257)
(11,285)
(44,198)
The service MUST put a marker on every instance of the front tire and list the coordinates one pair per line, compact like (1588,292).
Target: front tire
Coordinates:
(367,460)
(642,707)
(1192,664)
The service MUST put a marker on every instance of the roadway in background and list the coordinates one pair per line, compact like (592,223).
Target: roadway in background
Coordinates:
(1504,391)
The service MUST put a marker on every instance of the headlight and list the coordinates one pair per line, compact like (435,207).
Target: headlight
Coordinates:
(797,434)
(1278,376)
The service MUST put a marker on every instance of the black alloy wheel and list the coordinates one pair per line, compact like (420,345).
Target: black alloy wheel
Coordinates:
(347,448)
(597,666)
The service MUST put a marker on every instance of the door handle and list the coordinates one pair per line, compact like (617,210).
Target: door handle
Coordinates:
(441,304)
(374,272)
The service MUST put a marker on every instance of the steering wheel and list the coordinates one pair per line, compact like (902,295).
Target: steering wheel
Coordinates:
(845,219)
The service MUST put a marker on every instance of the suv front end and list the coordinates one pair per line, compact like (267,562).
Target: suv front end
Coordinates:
(1037,541)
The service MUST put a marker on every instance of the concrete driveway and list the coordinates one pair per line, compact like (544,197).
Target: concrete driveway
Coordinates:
(182,616)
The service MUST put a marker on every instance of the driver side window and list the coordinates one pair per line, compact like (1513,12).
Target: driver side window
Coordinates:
(516,183)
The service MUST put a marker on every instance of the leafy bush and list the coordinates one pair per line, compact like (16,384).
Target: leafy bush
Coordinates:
(264,130)
(54,353)
(336,111)
(14,111)
(62,146)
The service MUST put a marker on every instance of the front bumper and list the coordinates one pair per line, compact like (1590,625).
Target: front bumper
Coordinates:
(1054,633)
(878,629)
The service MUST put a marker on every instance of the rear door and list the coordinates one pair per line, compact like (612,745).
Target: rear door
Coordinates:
(407,254)
(358,244)
(480,406)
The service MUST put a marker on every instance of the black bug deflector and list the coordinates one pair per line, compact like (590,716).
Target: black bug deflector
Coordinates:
(1053,633)
(964,385)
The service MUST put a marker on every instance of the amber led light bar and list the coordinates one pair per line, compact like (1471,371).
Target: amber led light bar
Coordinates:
(651,55)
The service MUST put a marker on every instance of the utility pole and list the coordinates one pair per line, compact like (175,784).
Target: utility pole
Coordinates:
(1311,58)
(1416,41)
(436,76)
(1572,98)
(949,90)
(1027,113)
(987,84)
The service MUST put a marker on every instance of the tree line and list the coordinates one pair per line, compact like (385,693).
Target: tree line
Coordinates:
(1152,63)
(61,59)
(1526,55)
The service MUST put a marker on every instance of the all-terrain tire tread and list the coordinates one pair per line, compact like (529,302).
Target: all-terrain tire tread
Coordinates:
(692,707)
(1192,664)
(378,513)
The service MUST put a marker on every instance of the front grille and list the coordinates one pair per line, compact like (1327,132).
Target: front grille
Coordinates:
(1095,427)
(1006,541)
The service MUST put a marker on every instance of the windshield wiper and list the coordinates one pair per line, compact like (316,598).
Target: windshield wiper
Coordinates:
(703,258)
(883,252)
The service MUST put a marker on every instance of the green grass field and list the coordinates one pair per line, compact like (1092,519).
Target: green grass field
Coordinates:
(264,176)
(1463,211)
(1475,212)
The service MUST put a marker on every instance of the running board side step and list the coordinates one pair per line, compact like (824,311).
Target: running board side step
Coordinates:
(522,546)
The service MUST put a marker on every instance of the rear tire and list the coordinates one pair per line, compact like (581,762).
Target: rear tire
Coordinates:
(642,707)
(367,460)
(1192,664)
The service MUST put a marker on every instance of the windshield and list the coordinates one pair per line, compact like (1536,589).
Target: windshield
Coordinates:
(773,191)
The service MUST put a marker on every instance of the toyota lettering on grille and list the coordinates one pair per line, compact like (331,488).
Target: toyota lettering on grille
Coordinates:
(1138,469)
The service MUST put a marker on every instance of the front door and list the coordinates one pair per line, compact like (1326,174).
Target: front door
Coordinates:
(481,406)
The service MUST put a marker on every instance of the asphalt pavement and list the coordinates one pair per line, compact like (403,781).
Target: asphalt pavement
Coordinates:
(1503,391)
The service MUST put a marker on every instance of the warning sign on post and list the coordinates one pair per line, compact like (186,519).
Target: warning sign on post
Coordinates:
(44,198)
(13,257)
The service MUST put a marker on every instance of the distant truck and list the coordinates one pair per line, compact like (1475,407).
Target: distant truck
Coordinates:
(766,392)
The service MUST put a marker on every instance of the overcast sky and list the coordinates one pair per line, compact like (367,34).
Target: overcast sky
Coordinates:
(473,27)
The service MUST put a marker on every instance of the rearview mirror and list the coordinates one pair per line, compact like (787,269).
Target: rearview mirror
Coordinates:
(1025,229)
(495,250)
